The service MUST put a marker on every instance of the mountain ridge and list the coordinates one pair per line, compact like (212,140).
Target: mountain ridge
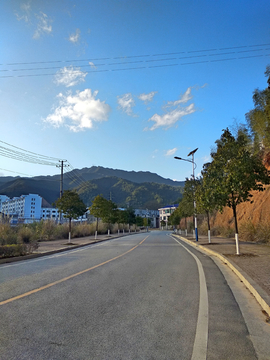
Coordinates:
(146,190)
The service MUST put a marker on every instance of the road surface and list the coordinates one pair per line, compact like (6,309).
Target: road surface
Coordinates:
(143,296)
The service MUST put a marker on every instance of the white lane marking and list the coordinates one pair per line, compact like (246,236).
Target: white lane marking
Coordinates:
(201,337)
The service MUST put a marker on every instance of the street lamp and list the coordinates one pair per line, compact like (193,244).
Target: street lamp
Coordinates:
(194,203)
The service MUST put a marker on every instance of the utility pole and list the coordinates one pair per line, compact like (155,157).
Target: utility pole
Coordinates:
(61,166)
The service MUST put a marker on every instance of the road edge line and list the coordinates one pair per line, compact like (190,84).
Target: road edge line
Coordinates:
(247,282)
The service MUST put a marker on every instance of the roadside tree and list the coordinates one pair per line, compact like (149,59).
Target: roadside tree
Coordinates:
(258,119)
(97,208)
(71,205)
(205,203)
(233,173)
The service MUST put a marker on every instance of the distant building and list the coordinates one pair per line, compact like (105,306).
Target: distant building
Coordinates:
(2,199)
(165,213)
(150,214)
(24,209)
(29,208)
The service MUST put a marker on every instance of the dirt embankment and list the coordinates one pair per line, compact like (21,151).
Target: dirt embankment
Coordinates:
(257,211)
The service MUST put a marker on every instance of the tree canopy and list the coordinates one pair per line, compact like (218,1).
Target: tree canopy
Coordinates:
(234,172)
(71,205)
(258,119)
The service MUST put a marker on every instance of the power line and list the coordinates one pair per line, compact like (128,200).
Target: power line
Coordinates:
(134,56)
(145,62)
(15,172)
(141,67)
(25,155)
(30,152)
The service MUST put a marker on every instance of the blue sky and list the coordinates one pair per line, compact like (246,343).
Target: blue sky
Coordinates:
(127,84)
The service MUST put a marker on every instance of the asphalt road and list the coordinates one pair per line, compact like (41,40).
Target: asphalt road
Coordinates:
(144,296)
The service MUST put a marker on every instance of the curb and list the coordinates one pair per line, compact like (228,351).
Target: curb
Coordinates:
(260,295)
(47,253)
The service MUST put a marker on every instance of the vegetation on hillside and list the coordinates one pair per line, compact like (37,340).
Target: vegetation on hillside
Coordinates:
(128,194)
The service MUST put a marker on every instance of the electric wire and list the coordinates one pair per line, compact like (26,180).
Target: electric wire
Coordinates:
(145,61)
(15,172)
(30,152)
(26,156)
(134,56)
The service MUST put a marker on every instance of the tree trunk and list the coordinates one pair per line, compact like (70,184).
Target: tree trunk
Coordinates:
(69,234)
(236,230)
(235,219)
(208,223)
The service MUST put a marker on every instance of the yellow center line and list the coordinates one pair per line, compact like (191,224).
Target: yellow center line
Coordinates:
(67,278)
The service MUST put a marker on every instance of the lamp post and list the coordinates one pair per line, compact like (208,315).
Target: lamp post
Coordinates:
(194,203)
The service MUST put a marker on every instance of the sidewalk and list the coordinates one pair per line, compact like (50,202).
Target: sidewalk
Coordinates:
(253,263)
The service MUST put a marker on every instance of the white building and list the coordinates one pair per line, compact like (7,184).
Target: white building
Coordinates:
(2,199)
(49,213)
(26,208)
(165,213)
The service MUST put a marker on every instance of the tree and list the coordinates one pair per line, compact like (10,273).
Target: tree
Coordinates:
(186,206)
(175,218)
(71,205)
(139,221)
(103,209)
(131,217)
(204,198)
(109,214)
(258,119)
(233,173)
(97,208)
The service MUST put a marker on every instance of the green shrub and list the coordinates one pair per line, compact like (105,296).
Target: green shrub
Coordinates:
(17,250)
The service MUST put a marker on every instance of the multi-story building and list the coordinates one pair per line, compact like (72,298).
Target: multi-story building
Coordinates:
(165,213)
(26,208)
(2,199)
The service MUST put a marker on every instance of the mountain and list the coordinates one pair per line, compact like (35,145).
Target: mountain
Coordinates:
(98,172)
(49,190)
(126,193)
(145,190)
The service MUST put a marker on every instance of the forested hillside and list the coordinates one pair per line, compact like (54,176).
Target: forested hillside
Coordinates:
(126,193)
(140,194)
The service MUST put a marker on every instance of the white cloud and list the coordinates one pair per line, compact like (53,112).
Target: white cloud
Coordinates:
(171,152)
(41,20)
(25,12)
(183,99)
(74,38)
(69,76)
(92,65)
(170,118)
(146,98)
(43,25)
(79,112)
(126,103)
